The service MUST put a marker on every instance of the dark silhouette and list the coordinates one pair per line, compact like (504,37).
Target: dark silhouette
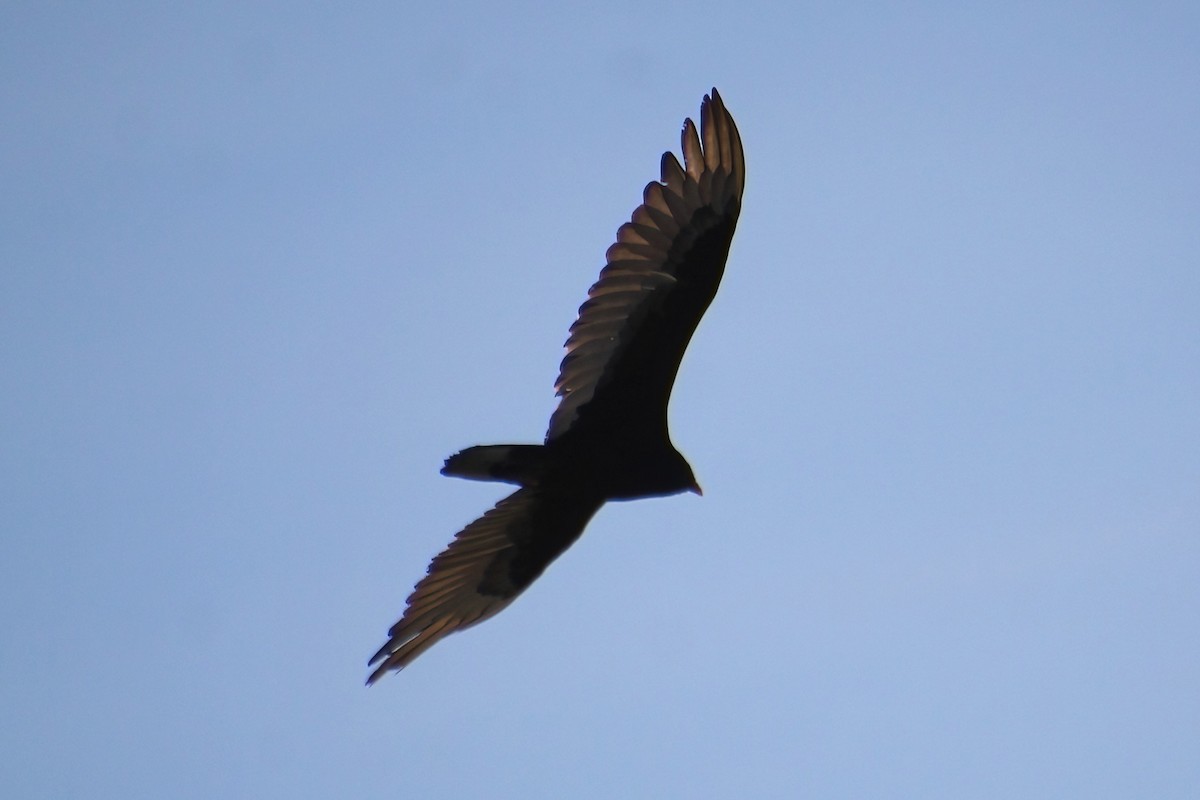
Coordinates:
(608,438)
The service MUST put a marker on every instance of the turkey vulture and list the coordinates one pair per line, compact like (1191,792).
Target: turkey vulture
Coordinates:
(608,438)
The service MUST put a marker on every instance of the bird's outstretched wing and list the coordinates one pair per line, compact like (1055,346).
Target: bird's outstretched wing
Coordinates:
(488,564)
(661,274)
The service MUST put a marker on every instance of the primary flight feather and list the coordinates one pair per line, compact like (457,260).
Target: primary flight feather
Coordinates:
(608,438)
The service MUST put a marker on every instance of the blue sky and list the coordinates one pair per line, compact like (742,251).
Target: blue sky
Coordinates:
(262,266)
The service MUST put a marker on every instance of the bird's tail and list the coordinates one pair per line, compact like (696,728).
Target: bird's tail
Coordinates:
(510,463)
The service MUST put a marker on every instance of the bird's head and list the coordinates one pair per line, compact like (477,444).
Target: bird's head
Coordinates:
(683,479)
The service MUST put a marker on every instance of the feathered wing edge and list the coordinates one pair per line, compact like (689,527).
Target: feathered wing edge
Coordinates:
(712,177)
(489,563)
(447,599)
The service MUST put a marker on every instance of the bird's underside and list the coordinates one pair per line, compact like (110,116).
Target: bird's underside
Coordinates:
(608,438)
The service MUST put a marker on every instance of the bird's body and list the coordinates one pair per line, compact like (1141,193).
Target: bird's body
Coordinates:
(608,438)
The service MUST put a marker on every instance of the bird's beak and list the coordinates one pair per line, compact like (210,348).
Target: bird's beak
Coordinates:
(695,487)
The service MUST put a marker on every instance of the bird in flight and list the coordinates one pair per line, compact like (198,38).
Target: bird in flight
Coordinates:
(608,437)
